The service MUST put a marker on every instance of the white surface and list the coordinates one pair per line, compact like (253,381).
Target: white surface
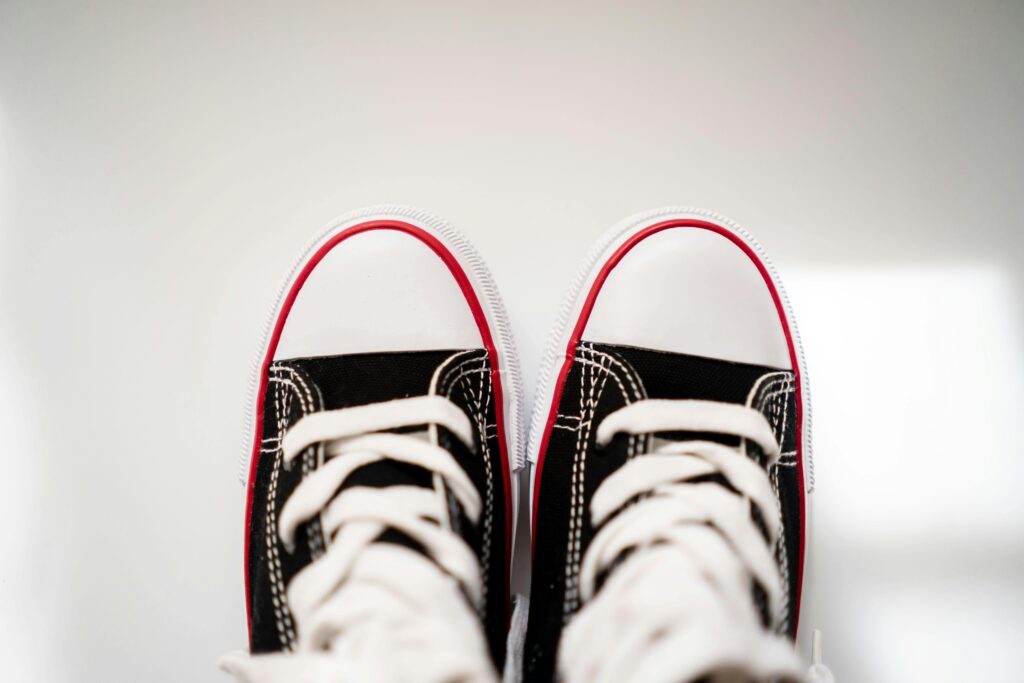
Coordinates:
(690,291)
(161,166)
(918,555)
(381,290)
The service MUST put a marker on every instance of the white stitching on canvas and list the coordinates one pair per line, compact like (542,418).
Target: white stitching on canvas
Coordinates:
(314,535)
(570,601)
(598,372)
(639,392)
(284,388)
(454,373)
(763,392)
(461,374)
(607,370)
(778,397)
(479,418)
(760,391)
(577,531)
(282,616)
(630,373)
(444,373)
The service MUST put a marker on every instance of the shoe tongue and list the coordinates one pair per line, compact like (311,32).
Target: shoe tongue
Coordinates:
(608,377)
(391,472)
(664,375)
(682,377)
(336,382)
(387,473)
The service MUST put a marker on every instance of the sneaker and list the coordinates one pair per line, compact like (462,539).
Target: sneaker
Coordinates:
(672,451)
(384,419)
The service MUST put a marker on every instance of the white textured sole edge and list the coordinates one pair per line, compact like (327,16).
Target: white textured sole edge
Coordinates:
(572,305)
(480,277)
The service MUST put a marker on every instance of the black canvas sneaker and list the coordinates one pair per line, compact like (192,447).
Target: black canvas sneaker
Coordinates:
(672,451)
(385,420)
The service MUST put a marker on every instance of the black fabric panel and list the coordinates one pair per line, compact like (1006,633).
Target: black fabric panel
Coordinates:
(300,386)
(602,379)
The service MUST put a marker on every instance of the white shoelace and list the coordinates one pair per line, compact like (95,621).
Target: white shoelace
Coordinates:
(369,611)
(679,606)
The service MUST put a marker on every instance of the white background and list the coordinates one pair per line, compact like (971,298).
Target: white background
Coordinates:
(162,164)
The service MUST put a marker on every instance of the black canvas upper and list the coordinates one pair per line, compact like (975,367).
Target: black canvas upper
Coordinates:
(301,386)
(602,379)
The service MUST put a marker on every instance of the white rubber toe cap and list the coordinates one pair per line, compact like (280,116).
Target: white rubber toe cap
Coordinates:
(376,291)
(693,291)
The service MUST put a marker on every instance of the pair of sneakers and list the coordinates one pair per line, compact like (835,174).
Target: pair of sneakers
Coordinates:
(669,449)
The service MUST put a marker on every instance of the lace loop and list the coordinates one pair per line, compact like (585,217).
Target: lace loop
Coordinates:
(313,493)
(336,425)
(691,415)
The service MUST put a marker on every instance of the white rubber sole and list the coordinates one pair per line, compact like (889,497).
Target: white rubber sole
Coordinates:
(606,245)
(486,291)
